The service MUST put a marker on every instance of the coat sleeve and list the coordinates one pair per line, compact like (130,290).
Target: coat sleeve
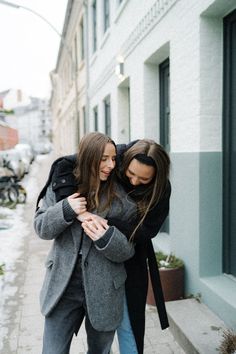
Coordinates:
(117,248)
(49,220)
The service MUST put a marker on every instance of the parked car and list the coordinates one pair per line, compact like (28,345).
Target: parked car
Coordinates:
(26,154)
(15,161)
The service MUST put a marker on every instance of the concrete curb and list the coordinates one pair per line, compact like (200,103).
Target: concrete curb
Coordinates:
(195,327)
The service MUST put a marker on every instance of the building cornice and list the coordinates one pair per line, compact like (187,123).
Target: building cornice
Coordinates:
(152,17)
(146,24)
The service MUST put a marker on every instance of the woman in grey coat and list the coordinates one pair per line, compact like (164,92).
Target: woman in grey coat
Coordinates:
(85,274)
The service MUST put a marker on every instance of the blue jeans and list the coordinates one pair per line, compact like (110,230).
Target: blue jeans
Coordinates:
(125,334)
(66,318)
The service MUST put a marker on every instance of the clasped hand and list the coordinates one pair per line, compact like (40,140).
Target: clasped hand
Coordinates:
(95,228)
(93,225)
(77,203)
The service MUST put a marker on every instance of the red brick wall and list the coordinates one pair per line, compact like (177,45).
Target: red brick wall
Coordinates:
(8,137)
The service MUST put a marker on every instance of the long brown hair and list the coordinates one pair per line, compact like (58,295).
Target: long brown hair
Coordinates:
(149,150)
(90,151)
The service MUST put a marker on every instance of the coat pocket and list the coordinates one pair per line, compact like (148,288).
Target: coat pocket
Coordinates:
(119,280)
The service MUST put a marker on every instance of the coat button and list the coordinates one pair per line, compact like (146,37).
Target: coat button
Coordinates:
(54,184)
(85,264)
(63,180)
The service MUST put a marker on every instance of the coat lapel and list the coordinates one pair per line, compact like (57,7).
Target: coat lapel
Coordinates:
(87,243)
(78,235)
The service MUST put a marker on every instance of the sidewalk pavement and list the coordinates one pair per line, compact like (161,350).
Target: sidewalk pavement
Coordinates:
(23,323)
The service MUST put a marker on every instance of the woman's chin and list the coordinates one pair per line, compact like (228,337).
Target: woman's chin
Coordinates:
(103,178)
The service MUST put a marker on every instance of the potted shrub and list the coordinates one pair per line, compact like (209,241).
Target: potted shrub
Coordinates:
(228,343)
(171,271)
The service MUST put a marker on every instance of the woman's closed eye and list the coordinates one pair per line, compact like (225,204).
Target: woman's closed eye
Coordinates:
(105,158)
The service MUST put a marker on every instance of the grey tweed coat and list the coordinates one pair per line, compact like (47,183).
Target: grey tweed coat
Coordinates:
(103,270)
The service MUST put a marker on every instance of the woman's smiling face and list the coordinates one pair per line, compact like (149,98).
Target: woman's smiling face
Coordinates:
(108,162)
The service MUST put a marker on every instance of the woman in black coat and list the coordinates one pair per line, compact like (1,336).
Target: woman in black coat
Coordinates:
(143,170)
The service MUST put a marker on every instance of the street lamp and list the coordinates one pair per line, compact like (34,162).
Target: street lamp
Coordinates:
(16,6)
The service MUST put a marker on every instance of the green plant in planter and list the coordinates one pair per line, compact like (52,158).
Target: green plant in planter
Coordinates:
(168,261)
(171,271)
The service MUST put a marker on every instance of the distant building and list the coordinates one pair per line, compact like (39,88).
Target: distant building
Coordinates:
(29,117)
(14,98)
(34,122)
(8,136)
(10,99)
(8,125)
(69,101)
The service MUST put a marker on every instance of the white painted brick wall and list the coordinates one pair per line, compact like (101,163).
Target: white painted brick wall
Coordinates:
(194,46)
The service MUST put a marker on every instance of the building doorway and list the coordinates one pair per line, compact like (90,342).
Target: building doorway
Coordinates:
(229,146)
(164,74)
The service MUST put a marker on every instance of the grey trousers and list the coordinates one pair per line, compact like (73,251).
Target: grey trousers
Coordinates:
(66,319)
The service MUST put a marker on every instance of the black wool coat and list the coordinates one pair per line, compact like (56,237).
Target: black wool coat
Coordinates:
(137,272)
(144,259)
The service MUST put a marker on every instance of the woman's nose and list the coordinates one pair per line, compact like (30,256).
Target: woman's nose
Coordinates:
(134,181)
(111,163)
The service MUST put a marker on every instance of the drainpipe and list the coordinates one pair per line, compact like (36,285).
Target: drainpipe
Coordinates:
(86,49)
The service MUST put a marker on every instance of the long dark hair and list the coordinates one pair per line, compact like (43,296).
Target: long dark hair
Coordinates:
(90,151)
(148,150)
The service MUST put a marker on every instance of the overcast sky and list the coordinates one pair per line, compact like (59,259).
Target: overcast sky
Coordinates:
(29,46)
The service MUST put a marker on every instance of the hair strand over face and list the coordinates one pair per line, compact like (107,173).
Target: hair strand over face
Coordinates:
(90,152)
